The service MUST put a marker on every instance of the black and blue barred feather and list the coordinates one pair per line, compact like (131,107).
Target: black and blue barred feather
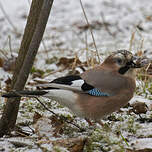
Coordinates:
(96,92)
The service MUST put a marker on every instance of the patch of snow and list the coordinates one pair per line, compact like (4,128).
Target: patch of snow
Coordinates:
(143,143)
(5,145)
(145,130)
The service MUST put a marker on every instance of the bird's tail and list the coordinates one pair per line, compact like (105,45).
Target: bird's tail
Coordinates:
(24,93)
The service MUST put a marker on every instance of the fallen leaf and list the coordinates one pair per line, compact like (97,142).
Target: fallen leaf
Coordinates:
(9,64)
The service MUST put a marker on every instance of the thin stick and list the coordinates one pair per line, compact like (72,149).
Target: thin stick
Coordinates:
(90,30)
(45,106)
(81,129)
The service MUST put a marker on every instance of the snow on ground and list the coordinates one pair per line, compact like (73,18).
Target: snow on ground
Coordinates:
(67,34)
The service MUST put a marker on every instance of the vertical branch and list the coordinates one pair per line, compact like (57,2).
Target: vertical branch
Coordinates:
(34,45)
(27,37)
(34,30)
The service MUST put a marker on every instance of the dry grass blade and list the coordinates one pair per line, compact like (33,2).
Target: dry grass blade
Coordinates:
(2,52)
(131,40)
(141,44)
(90,31)
(10,46)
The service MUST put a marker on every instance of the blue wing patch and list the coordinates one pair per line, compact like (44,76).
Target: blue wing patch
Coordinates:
(96,92)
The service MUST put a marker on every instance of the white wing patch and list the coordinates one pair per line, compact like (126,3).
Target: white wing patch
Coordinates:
(75,86)
(61,86)
(77,83)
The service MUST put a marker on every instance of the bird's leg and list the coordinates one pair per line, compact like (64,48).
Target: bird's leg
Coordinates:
(97,121)
(89,122)
(100,123)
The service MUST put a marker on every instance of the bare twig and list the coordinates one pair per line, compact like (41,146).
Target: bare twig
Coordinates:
(81,129)
(45,106)
(77,126)
(90,31)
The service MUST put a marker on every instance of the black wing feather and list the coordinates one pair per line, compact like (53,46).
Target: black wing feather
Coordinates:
(67,80)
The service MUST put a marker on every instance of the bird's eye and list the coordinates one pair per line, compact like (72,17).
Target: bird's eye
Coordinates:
(119,60)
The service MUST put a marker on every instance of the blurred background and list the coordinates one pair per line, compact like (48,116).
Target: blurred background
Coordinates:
(113,23)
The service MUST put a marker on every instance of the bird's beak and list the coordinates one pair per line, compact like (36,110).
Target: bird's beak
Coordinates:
(138,62)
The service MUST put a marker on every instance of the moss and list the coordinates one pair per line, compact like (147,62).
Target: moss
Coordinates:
(104,140)
(39,71)
(59,149)
(51,60)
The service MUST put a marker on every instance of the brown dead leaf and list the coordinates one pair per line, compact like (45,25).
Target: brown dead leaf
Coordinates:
(53,124)
(72,144)
(57,125)
(1,62)
(9,64)
(67,62)
(149,18)
(8,84)
(139,107)
(139,53)
(8,81)
(36,117)
(71,64)
(94,25)
(43,127)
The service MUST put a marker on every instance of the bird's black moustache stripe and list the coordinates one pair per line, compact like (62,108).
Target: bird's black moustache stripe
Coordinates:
(123,70)
(129,65)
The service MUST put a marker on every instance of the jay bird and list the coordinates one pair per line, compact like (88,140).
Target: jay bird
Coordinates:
(96,92)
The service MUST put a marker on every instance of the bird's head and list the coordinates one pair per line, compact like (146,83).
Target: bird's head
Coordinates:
(124,62)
